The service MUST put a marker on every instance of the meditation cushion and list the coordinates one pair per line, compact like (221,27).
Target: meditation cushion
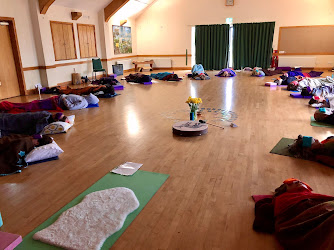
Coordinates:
(56,128)
(44,152)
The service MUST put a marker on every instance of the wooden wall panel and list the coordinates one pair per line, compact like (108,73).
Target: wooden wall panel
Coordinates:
(92,41)
(69,41)
(82,43)
(87,40)
(63,40)
(58,41)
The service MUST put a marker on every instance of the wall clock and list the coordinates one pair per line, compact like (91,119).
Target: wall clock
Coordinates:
(229,2)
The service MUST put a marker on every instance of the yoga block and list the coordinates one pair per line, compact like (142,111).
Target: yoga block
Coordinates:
(147,83)
(9,241)
(307,141)
(118,87)
(113,76)
(322,110)
(269,84)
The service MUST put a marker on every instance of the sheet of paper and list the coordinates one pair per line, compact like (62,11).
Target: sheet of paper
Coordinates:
(127,168)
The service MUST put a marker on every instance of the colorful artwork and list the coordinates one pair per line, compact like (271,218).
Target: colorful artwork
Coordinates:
(122,39)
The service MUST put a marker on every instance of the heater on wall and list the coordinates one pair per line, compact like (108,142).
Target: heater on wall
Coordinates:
(297,61)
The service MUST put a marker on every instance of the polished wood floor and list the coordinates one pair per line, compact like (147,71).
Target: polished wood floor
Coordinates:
(206,202)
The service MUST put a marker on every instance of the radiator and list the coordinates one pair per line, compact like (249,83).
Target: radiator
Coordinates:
(161,62)
(127,64)
(293,61)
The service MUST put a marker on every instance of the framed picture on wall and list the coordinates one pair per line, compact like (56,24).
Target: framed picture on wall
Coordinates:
(229,2)
(122,39)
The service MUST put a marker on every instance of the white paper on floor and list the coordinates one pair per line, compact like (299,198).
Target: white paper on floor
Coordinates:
(127,168)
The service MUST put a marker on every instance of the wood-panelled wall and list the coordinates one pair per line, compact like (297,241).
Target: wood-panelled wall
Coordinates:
(63,40)
(87,40)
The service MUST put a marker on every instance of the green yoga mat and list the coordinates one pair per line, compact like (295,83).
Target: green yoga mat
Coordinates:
(281,147)
(320,124)
(144,184)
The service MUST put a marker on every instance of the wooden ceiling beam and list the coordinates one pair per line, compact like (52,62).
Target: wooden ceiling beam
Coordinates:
(44,5)
(113,7)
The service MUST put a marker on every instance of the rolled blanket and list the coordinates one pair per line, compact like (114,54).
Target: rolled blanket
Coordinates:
(50,104)
(25,123)
(138,78)
(230,73)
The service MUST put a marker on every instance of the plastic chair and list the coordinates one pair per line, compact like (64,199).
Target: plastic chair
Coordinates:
(97,67)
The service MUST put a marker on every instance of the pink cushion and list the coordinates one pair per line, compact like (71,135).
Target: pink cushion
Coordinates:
(9,241)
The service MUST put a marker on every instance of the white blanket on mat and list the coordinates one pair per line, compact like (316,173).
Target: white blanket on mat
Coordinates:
(88,224)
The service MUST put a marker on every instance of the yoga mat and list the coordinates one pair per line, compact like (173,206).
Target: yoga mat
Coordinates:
(144,184)
(92,106)
(299,95)
(320,124)
(45,160)
(281,147)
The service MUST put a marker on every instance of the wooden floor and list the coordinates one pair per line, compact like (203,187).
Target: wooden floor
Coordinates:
(206,202)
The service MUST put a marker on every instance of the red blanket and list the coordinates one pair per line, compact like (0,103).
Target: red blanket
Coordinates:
(300,220)
(50,104)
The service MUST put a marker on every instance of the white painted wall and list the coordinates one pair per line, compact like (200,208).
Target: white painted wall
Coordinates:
(165,27)
(115,20)
(63,14)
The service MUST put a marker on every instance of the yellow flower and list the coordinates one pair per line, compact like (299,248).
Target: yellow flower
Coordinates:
(194,100)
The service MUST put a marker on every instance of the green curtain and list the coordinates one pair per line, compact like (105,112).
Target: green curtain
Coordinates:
(252,44)
(212,44)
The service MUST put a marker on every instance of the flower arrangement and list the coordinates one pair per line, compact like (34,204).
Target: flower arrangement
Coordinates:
(194,103)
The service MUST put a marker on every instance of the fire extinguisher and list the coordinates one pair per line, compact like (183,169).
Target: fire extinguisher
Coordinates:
(274,59)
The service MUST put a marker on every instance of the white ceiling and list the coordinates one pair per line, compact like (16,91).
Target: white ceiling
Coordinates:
(88,5)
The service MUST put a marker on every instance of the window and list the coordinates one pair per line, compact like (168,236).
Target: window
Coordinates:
(63,40)
(87,40)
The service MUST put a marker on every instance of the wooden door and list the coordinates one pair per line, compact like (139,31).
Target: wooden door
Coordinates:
(58,41)
(83,41)
(87,40)
(9,86)
(69,41)
(91,40)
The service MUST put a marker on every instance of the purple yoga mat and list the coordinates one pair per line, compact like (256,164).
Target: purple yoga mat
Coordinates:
(147,83)
(299,95)
(284,68)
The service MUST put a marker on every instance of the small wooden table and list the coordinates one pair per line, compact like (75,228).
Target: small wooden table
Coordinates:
(136,63)
(190,128)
